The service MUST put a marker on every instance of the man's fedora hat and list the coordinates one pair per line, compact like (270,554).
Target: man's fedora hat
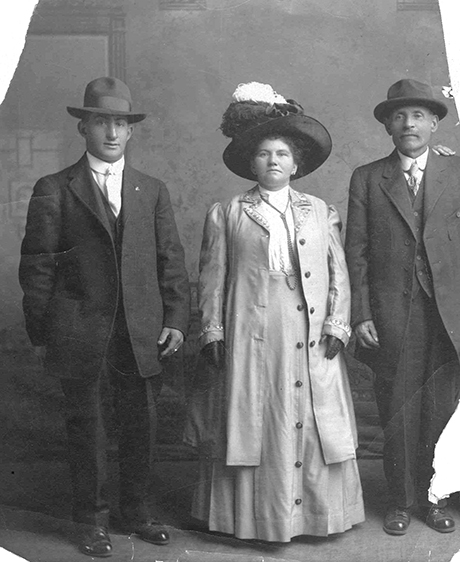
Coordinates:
(409,92)
(257,112)
(108,96)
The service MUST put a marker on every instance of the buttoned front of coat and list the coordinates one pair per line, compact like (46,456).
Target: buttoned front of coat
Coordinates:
(233,301)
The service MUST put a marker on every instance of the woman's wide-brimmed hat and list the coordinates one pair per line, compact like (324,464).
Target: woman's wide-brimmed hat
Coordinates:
(107,96)
(258,112)
(409,92)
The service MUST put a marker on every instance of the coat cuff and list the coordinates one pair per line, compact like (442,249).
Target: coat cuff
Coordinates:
(211,333)
(338,328)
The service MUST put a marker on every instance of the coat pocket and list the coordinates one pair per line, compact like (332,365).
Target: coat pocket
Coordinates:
(453,226)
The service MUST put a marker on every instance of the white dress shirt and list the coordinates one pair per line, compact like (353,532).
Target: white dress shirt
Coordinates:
(406,163)
(109,178)
(279,259)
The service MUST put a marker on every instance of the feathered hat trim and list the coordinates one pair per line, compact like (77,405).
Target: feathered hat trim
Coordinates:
(257,111)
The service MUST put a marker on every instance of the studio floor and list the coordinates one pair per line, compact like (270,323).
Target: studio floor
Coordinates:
(35,524)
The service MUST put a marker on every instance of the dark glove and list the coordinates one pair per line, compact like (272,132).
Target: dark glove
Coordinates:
(214,353)
(334,345)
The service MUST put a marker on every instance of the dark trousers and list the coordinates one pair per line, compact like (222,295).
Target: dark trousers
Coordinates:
(416,405)
(134,408)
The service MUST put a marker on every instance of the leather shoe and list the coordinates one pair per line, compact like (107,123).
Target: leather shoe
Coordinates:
(153,532)
(439,520)
(397,521)
(96,542)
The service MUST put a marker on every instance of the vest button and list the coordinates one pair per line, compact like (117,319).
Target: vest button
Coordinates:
(307,274)
(298,464)
(299,425)
(300,307)
(312,343)
(298,501)
(299,383)
(302,241)
(407,242)
(299,345)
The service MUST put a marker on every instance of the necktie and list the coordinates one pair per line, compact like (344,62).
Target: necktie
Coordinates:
(412,179)
(112,187)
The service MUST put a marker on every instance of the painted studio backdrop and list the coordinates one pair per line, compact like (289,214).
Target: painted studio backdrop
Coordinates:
(182,60)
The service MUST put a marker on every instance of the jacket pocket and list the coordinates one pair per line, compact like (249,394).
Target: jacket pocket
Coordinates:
(453,225)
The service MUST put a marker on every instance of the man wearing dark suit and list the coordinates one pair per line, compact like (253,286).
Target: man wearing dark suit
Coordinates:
(105,291)
(403,254)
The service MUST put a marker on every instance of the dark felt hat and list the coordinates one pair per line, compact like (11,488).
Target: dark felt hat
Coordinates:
(250,122)
(409,92)
(107,96)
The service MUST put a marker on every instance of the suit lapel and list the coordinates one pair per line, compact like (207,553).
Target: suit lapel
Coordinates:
(253,201)
(393,184)
(435,181)
(133,203)
(82,184)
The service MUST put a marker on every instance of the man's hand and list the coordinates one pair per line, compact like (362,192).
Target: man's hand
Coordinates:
(443,150)
(366,335)
(169,341)
(333,346)
(214,353)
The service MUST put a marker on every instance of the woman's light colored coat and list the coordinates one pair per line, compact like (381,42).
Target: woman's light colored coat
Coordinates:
(233,301)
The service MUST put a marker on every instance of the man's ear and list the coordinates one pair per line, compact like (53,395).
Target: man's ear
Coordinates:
(130,131)
(81,128)
(434,123)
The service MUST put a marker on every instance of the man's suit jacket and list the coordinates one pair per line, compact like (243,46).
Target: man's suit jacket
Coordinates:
(70,278)
(381,250)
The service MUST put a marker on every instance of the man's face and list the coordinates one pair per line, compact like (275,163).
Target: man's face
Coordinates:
(411,128)
(105,135)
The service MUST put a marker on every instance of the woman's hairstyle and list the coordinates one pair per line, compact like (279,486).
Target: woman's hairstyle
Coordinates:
(294,144)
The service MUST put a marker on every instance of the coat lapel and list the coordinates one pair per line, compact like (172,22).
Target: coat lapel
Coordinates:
(253,200)
(301,207)
(133,204)
(435,181)
(393,184)
(82,184)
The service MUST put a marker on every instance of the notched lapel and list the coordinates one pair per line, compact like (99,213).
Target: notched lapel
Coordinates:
(301,207)
(83,185)
(393,184)
(436,181)
(252,201)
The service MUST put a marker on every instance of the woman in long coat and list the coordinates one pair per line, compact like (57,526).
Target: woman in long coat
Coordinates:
(274,299)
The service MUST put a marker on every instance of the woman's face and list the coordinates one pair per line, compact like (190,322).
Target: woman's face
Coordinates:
(273,164)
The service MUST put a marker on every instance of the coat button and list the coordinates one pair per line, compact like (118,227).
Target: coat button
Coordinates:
(299,425)
(298,464)
(302,241)
(298,501)
(307,274)
(300,307)
(407,242)
(312,343)
(299,383)
(299,345)
(405,292)
(457,214)
(312,310)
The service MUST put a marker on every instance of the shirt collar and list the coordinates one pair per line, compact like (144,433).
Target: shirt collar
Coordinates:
(406,161)
(102,167)
(279,197)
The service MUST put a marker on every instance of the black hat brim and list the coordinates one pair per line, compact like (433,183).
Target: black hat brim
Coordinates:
(81,112)
(315,144)
(383,109)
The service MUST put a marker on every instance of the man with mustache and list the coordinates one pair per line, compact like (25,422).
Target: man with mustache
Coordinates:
(403,254)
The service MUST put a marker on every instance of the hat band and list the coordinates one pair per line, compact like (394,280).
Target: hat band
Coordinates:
(111,103)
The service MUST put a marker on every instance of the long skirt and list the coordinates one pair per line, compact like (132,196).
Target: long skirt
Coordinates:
(292,492)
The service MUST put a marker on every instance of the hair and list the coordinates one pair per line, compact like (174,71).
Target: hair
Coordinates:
(295,145)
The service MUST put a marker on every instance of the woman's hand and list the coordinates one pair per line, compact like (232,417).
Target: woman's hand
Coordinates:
(214,353)
(443,150)
(334,345)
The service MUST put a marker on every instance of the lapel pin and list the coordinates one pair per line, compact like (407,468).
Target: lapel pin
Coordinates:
(137,188)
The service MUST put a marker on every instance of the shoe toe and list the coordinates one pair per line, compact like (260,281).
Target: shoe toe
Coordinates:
(96,543)
(153,533)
